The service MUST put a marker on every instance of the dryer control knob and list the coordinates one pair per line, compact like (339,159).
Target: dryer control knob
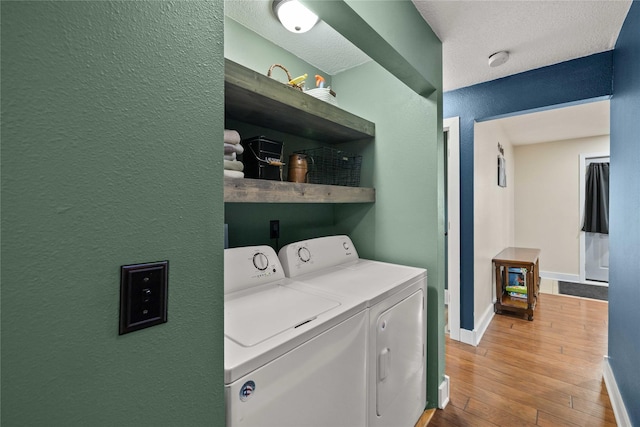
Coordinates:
(345,245)
(260,261)
(304,254)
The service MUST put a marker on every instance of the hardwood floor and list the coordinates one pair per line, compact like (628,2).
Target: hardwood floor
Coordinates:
(547,372)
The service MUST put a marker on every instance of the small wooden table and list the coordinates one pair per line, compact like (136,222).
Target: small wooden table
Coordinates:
(528,259)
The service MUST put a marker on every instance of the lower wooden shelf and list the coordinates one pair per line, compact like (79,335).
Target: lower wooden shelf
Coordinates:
(507,301)
(245,190)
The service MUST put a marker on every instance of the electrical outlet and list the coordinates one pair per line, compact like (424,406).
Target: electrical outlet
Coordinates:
(274,229)
(143,295)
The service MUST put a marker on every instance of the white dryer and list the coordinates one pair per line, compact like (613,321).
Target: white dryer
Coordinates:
(293,356)
(395,296)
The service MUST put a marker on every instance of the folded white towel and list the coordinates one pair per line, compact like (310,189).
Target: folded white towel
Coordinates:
(231,156)
(233,148)
(233,174)
(233,165)
(231,136)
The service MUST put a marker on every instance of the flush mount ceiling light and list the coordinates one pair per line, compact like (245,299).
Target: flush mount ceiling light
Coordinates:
(498,58)
(294,16)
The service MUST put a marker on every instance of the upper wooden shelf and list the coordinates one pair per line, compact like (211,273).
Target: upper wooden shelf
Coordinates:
(244,190)
(257,99)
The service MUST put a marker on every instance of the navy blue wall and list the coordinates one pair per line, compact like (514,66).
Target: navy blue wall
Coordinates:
(624,280)
(569,82)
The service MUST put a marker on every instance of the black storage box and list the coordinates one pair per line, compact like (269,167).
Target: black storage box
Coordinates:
(259,156)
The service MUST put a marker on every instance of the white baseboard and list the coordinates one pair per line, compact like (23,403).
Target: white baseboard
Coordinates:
(619,410)
(443,392)
(563,277)
(572,278)
(484,323)
(473,337)
(468,337)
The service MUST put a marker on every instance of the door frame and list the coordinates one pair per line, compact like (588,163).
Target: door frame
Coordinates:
(583,181)
(452,126)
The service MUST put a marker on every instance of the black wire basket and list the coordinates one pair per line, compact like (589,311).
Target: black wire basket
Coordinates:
(333,167)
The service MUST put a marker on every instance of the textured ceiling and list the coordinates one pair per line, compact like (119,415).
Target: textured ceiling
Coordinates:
(536,33)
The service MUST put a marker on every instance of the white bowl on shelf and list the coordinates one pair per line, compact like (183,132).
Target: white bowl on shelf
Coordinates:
(322,93)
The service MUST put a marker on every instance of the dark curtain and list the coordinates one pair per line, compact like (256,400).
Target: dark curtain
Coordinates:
(596,205)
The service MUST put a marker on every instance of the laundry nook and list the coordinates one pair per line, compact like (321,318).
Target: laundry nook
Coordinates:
(329,316)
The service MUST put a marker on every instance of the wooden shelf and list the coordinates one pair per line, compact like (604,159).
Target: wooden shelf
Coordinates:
(508,301)
(255,98)
(260,100)
(244,190)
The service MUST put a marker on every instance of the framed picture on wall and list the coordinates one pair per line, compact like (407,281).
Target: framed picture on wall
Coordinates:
(502,171)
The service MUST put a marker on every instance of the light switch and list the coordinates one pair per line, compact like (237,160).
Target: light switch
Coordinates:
(143,295)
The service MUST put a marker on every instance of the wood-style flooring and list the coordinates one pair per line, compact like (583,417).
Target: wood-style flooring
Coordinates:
(547,372)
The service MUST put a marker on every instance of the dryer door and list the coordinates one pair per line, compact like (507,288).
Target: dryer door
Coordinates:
(400,360)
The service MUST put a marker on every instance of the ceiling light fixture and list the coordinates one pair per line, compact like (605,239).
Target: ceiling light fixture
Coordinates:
(498,58)
(294,16)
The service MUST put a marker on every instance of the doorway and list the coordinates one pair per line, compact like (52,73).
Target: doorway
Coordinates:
(451,128)
(594,247)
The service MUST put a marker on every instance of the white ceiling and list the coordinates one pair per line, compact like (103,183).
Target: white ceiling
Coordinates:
(578,121)
(536,33)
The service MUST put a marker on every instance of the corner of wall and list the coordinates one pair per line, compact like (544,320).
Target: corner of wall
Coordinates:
(619,408)
(474,337)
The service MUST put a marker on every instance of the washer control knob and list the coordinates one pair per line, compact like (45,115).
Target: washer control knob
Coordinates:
(304,254)
(345,245)
(260,261)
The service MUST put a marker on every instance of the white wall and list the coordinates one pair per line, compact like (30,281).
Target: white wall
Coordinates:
(547,211)
(493,211)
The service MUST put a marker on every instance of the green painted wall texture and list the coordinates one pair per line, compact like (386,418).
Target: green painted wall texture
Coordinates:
(111,113)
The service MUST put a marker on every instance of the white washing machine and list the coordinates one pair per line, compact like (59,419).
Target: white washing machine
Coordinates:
(293,356)
(395,296)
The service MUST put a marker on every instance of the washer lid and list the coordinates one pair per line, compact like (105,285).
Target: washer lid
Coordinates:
(370,281)
(253,317)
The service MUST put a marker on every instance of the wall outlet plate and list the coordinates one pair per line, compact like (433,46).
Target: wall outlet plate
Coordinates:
(274,229)
(143,295)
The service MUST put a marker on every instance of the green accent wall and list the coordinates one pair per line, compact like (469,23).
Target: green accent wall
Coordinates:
(112,113)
